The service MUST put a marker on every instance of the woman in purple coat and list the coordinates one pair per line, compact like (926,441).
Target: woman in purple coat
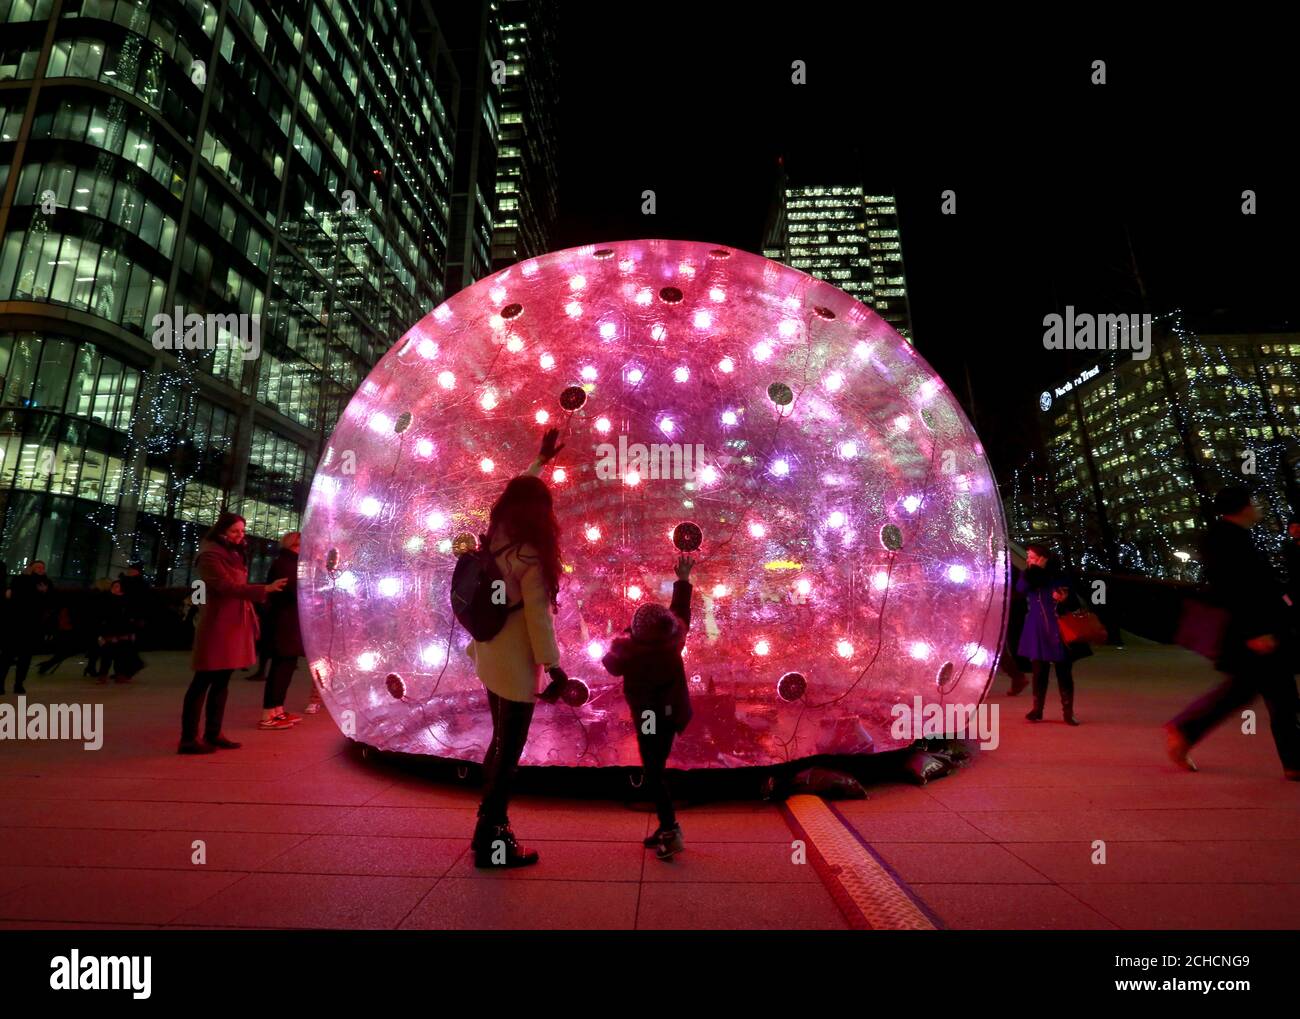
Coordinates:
(1047,592)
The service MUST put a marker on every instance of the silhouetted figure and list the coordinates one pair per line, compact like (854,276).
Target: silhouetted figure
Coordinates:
(1257,645)
(282,638)
(28,604)
(1047,592)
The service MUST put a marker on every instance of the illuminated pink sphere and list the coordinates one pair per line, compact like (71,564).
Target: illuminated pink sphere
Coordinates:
(851,543)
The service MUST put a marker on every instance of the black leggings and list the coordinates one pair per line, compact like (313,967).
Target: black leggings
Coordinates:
(1064,680)
(277,681)
(655,749)
(510,722)
(212,687)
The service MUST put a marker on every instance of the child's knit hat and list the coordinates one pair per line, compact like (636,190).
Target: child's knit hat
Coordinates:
(652,624)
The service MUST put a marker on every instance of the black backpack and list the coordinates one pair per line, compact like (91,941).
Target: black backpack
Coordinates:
(473,583)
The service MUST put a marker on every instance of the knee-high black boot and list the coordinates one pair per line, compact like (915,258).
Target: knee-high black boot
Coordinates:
(1040,691)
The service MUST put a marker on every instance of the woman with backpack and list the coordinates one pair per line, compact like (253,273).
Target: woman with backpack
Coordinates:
(523,537)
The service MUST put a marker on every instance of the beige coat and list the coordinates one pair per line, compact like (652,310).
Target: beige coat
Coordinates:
(511,663)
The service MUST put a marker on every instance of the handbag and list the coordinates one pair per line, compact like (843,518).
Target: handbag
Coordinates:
(1081,626)
(1201,628)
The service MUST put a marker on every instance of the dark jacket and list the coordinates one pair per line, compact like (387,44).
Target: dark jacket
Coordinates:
(116,619)
(654,678)
(29,610)
(1244,585)
(283,635)
(1040,640)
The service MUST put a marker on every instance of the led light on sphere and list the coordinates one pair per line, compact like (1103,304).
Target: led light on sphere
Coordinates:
(849,546)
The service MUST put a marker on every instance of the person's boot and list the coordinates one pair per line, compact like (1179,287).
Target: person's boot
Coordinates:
(221,743)
(1040,695)
(1178,747)
(670,844)
(193,746)
(1067,710)
(651,841)
(1018,685)
(497,847)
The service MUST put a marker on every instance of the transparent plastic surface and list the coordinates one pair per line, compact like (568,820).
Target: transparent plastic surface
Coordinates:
(852,550)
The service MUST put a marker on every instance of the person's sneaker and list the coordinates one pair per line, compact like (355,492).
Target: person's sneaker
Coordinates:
(670,844)
(193,746)
(651,841)
(290,718)
(1178,746)
(221,743)
(277,724)
(312,709)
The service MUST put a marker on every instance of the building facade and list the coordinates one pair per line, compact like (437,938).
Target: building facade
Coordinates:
(217,215)
(1137,448)
(846,236)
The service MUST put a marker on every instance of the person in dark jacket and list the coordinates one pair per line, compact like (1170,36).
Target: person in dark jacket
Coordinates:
(649,658)
(117,636)
(282,637)
(28,605)
(1047,592)
(1257,644)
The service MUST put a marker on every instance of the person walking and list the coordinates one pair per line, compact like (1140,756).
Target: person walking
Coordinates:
(28,604)
(1257,647)
(524,537)
(283,638)
(225,635)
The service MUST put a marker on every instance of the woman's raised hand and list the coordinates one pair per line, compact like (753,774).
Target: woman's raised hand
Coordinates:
(277,585)
(684,565)
(549,448)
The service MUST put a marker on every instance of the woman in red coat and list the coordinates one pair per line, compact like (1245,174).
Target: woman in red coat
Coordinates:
(225,636)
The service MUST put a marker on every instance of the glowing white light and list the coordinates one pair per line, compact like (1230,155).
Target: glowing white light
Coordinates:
(488,400)
(681,373)
(667,425)
(703,320)
(573,309)
(444,546)
(514,344)
(928,388)
(577,282)
(644,297)
(446,379)
(603,425)
(433,654)
(719,590)
(370,506)
(608,330)
(975,654)
(863,350)
(834,382)
(390,587)
(903,423)
(367,661)
(558,475)
(381,423)
(912,503)
(708,475)
(588,374)
(762,351)
(788,327)
(427,348)
(541,417)
(632,479)
(347,581)
(634,592)
(880,581)
(728,417)
(781,468)
(757,530)
(498,294)
(424,447)
(414,543)
(547,361)
(848,450)
(919,650)
(436,521)
(595,651)
(844,649)
(804,586)
(593,533)
(635,375)
(717,294)
(486,465)
(727,365)
(762,647)
(958,574)
(658,332)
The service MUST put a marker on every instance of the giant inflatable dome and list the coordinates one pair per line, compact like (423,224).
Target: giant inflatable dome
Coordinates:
(849,539)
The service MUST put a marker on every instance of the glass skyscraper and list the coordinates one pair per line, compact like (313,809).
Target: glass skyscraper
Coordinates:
(290,162)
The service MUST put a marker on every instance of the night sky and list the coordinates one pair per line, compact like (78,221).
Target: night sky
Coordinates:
(1053,175)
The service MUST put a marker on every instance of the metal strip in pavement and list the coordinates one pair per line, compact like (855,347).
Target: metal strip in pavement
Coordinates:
(869,894)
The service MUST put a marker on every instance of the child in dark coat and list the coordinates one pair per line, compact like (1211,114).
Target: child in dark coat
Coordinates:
(649,658)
